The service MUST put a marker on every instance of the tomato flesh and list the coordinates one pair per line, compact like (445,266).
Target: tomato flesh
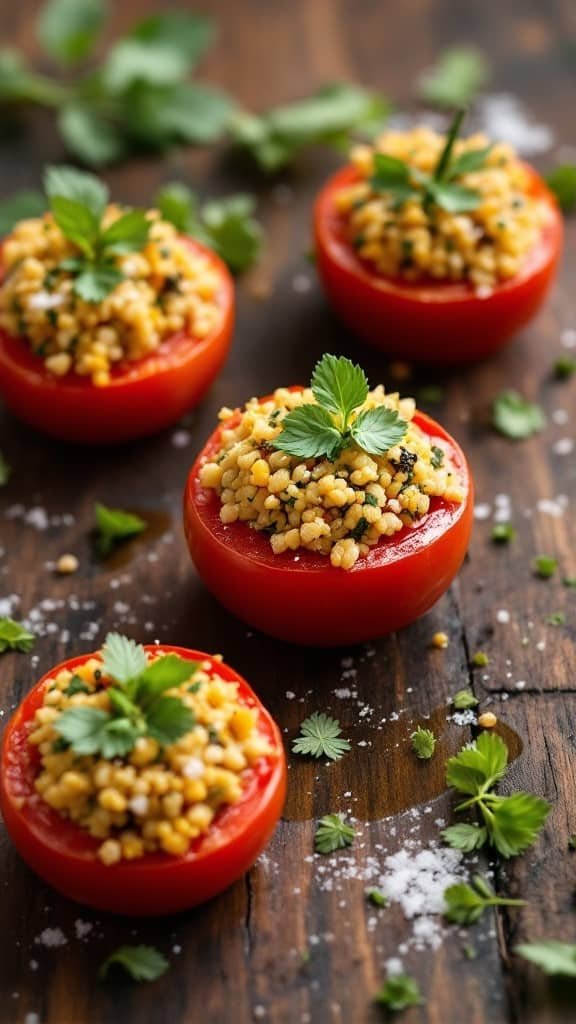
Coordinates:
(299,596)
(430,321)
(143,396)
(65,855)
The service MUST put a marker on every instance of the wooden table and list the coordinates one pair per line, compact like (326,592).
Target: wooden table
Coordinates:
(296,940)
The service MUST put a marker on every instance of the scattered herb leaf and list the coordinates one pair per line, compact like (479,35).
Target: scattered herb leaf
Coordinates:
(564,367)
(552,956)
(562,182)
(399,992)
(480,659)
(556,619)
(377,897)
(515,417)
(464,699)
(502,533)
(15,637)
(464,903)
(142,963)
(333,833)
(320,736)
(545,566)
(115,525)
(423,743)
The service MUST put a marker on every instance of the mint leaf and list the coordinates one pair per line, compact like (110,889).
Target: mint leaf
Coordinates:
(552,956)
(129,233)
(123,659)
(423,743)
(545,566)
(142,963)
(309,432)
(113,525)
(86,189)
(455,79)
(96,281)
(515,417)
(562,182)
(339,385)
(465,699)
(168,718)
(20,206)
(89,135)
(377,430)
(15,637)
(390,174)
(68,29)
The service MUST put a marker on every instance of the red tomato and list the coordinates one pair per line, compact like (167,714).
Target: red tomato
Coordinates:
(65,856)
(433,321)
(143,396)
(299,596)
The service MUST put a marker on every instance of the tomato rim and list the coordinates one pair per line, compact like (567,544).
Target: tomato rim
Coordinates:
(264,785)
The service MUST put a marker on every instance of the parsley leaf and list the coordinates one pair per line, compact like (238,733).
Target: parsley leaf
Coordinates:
(85,189)
(455,79)
(113,525)
(122,658)
(423,743)
(309,432)
(562,182)
(515,417)
(320,736)
(377,430)
(142,963)
(95,282)
(510,823)
(68,29)
(545,566)
(464,904)
(464,699)
(15,637)
(93,731)
(5,471)
(168,719)
(333,833)
(227,225)
(339,385)
(465,837)
(552,956)
(399,992)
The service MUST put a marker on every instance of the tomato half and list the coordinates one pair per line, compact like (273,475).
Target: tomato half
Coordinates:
(65,856)
(431,321)
(143,396)
(299,596)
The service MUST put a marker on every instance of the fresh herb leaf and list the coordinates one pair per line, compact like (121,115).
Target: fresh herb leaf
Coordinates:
(89,135)
(545,566)
(309,432)
(122,658)
(68,29)
(178,204)
(465,904)
(142,963)
(320,736)
(333,833)
(377,897)
(233,231)
(164,673)
(480,659)
(377,430)
(86,189)
(564,367)
(77,223)
(502,533)
(114,525)
(423,743)
(15,637)
(556,619)
(515,417)
(95,282)
(464,699)
(5,471)
(182,31)
(456,78)
(168,719)
(399,992)
(569,581)
(465,837)
(552,956)
(76,685)
(339,385)
(20,206)
(562,182)
(129,233)
(437,458)
(92,731)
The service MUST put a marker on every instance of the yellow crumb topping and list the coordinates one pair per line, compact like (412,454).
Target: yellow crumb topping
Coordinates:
(337,508)
(167,288)
(483,246)
(155,798)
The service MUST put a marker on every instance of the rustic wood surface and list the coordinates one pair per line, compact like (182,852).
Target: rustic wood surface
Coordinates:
(281,946)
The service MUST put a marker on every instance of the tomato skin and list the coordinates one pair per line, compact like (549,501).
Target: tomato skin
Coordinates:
(65,855)
(143,396)
(298,596)
(434,322)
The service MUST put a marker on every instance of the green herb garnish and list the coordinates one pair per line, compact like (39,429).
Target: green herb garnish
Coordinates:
(545,566)
(399,992)
(552,956)
(423,743)
(480,659)
(139,704)
(142,963)
(564,367)
(509,823)
(15,637)
(377,897)
(455,78)
(401,181)
(338,421)
(320,736)
(556,619)
(502,533)
(114,525)
(5,471)
(227,225)
(464,699)
(466,903)
(437,459)
(569,581)
(562,182)
(515,417)
(333,833)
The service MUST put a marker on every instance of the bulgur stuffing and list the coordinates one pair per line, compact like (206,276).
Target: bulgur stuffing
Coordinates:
(415,240)
(155,798)
(167,288)
(339,508)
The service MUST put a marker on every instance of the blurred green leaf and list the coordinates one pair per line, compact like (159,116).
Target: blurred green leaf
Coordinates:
(455,79)
(562,182)
(68,29)
(20,206)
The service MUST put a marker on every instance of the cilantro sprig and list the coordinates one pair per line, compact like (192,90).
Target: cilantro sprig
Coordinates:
(337,420)
(139,704)
(142,963)
(320,736)
(509,823)
(464,903)
(398,179)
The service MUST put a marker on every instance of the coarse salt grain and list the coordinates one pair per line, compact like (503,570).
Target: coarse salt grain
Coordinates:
(564,446)
(568,338)
(181,438)
(51,938)
(482,511)
(503,616)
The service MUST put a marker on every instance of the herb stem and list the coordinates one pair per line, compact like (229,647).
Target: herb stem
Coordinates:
(446,154)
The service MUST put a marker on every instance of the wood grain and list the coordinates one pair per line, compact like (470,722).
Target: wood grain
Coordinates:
(283,945)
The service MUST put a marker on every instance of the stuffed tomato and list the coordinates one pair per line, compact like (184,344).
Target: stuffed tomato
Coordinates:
(435,249)
(330,515)
(112,324)
(141,780)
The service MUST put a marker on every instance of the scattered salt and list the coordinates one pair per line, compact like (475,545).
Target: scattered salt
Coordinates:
(503,116)
(181,438)
(482,511)
(51,938)
(503,616)
(564,446)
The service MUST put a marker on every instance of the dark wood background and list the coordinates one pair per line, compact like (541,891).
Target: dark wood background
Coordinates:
(278,946)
